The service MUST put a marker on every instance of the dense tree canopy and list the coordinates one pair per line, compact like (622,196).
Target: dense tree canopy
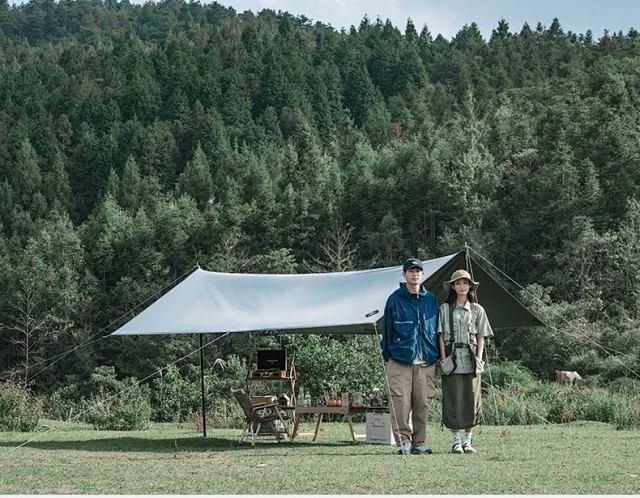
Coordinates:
(139,140)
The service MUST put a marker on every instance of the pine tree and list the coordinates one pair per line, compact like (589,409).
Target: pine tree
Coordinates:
(129,192)
(27,178)
(56,185)
(196,179)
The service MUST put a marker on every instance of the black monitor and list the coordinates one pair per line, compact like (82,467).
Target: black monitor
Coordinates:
(271,359)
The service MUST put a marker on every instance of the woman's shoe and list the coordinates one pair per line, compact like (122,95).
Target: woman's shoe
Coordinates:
(457,448)
(467,448)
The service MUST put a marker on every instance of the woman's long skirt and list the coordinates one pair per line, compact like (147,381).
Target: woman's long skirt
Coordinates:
(461,400)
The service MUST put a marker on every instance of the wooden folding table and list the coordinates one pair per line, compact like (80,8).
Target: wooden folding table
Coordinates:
(320,411)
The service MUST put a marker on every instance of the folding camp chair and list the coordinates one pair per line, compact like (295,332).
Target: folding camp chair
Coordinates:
(260,417)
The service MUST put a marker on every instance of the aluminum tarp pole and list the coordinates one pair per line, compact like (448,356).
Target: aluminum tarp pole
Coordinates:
(204,412)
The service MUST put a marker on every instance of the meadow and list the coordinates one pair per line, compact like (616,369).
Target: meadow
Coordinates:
(72,458)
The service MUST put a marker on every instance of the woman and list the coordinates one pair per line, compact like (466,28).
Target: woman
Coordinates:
(462,346)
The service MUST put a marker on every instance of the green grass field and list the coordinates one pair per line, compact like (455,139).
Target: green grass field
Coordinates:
(580,458)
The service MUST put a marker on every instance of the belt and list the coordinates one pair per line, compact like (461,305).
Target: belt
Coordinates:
(461,344)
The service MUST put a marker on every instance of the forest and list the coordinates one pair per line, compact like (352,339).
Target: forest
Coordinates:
(138,141)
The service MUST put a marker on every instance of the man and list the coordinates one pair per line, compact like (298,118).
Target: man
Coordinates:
(409,348)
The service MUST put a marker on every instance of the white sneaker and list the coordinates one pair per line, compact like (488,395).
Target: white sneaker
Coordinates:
(467,448)
(457,448)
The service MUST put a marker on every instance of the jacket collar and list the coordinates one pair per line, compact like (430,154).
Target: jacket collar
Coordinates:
(403,291)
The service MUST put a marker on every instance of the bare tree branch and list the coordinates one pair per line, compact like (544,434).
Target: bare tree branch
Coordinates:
(337,252)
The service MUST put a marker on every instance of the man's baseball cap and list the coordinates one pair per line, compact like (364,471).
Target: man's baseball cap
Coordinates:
(412,263)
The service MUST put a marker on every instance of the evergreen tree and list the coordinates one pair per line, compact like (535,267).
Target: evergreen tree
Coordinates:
(196,179)
(27,178)
(359,91)
(56,185)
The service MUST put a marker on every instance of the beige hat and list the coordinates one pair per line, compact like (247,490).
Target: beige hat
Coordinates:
(457,275)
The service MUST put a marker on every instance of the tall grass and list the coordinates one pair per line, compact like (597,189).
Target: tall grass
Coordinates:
(516,398)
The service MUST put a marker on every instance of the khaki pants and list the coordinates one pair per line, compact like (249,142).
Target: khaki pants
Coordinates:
(411,391)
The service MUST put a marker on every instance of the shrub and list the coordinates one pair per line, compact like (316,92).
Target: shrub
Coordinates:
(174,397)
(509,373)
(64,403)
(593,381)
(219,384)
(19,410)
(225,413)
(600,407)
(614,367)
(588,363)
(103,379)
(330,365)
(125,411)
(625,385)
(119,405)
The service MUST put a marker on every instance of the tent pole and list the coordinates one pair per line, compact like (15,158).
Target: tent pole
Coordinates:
(204,413)
(467,255)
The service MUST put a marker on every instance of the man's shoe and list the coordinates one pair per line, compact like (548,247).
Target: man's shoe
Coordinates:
(421,450)
(457,448)
(467,448)
(404,449)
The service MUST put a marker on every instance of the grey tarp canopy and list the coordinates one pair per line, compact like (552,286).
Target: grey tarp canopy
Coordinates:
(321,303)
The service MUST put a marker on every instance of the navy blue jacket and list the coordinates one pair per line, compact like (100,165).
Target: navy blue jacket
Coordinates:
(409,326)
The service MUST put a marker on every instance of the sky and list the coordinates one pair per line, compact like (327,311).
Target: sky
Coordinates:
(447,17)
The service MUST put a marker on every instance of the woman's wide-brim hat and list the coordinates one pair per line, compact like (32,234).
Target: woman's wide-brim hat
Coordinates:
(457,275)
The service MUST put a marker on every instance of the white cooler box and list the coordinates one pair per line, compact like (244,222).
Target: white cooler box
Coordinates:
(379,428)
